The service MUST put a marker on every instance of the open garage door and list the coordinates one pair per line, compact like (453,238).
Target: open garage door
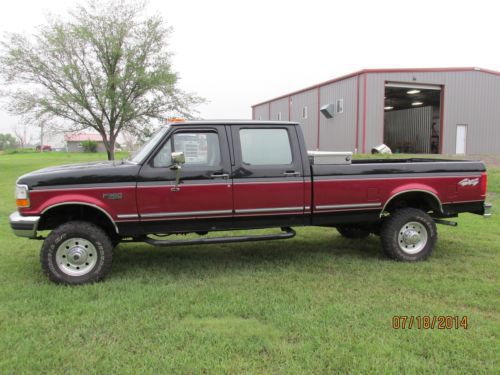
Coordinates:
(412,120)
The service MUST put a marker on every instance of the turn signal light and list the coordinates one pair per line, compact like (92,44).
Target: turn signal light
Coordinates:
(22,203)
(22,196)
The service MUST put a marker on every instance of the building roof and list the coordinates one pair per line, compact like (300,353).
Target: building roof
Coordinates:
(80,137)
(366,71)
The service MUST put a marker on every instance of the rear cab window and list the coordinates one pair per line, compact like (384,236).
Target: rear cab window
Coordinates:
(265,147)
(266,151)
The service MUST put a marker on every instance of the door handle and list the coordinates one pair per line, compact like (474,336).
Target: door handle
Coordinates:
(219,175)
(291,173)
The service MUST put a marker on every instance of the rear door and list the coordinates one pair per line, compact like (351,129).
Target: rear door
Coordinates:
(204,198)
(268,180)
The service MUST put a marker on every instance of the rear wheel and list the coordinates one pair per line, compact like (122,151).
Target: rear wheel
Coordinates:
(77,252)
(353,232)
(409,234)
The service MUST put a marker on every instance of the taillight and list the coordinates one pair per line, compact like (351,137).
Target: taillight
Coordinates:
(484,183)
(22,196)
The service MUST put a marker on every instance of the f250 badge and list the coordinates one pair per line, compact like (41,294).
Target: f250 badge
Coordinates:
(469,182)
(112,195)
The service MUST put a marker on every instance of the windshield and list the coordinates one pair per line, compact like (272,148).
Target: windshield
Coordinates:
(149,145)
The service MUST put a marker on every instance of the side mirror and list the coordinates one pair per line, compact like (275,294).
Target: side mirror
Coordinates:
(178,159)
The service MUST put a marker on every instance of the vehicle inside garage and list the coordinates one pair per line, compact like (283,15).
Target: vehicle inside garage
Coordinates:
(412,118)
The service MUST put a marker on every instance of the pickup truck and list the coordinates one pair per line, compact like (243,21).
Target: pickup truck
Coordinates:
(205,176)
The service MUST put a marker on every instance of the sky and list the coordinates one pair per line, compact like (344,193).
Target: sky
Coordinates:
(239,53)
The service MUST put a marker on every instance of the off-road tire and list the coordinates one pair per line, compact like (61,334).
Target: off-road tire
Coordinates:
(353,232)
(400,231)
(91,237)
(115,239)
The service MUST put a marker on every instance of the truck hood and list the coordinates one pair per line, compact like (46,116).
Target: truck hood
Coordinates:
(82,173)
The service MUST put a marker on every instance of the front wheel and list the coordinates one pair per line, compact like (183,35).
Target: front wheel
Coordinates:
(77,252)
(409,235)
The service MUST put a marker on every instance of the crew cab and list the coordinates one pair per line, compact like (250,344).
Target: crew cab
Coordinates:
(205,176)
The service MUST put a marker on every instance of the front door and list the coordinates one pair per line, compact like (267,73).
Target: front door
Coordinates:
(204,197)
(268,179)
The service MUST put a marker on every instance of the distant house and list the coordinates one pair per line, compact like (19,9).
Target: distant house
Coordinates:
(74,142)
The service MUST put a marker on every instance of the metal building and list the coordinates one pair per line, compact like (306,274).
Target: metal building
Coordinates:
(443,110)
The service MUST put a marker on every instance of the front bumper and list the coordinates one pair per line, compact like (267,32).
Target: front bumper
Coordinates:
(23,226)
(487,209)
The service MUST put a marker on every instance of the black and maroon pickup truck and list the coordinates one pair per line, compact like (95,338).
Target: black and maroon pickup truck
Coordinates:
(204,176)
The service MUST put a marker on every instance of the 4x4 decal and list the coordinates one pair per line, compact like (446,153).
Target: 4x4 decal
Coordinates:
(469,182)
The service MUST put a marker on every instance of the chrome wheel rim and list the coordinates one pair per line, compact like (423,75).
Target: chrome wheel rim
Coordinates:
(76,256)
(412,237)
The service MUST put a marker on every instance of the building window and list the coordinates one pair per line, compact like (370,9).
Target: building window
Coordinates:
(279,116)
(340,106)
(304,112)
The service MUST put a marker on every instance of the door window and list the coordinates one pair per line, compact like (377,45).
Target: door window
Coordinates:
(265,147)
(199,148)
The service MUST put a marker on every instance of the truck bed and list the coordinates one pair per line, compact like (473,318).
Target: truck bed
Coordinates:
(399,166)
(367,187)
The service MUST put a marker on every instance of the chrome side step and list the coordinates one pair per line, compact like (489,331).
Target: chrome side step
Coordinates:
(446,222)
(287,233)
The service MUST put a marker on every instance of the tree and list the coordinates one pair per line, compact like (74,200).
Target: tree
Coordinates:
(129,140)
(22,134)
(7,141)
(106,66)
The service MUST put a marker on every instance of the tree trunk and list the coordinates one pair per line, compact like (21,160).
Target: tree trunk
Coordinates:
(110,147)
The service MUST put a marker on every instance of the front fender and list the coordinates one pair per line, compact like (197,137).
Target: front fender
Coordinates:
(68,199)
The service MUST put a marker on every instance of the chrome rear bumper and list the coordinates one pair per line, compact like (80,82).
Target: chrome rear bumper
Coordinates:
(23,226)
(487,209)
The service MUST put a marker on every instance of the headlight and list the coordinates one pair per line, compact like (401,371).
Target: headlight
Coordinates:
(22,196)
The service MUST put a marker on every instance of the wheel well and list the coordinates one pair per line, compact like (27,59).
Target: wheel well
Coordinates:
(416,199)
(58,215)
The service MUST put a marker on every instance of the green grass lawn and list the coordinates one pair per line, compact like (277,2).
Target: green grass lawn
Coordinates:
(317,303)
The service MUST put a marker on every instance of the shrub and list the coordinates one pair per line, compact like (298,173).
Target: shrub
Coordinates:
(89,146)
(7,141)
(12,151)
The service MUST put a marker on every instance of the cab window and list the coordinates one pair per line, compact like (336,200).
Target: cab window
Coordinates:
(265,147)
(199,148)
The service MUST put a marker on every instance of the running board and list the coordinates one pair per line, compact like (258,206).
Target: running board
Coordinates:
(446,222)
(287,233)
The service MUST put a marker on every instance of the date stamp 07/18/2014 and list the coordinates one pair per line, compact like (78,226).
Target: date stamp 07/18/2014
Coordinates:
(430,322)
